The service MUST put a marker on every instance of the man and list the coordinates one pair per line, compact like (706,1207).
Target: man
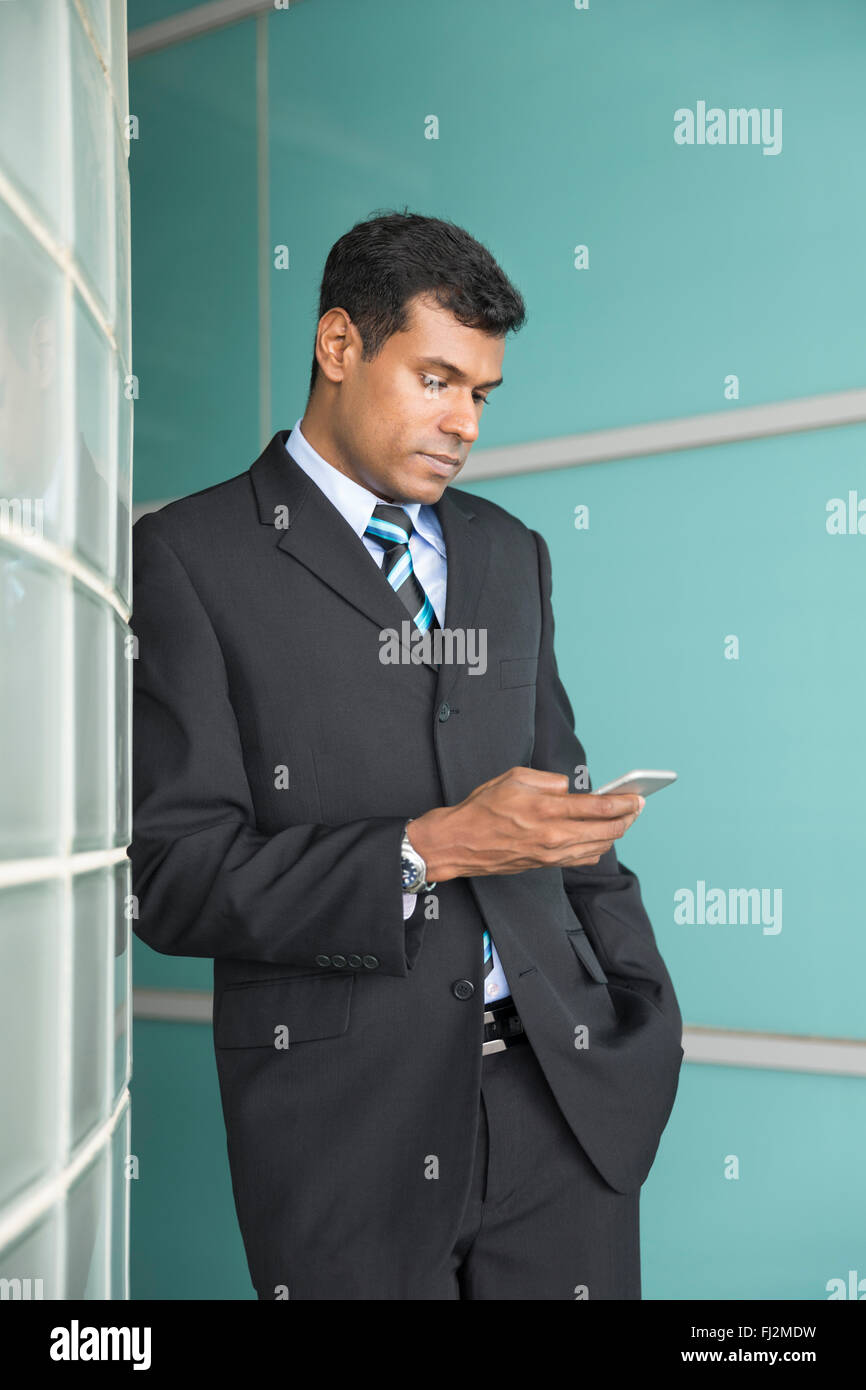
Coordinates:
(446,1042)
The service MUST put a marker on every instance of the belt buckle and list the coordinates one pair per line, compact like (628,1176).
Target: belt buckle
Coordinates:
(495,1044)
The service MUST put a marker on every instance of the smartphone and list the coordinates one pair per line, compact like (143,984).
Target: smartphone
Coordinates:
(642,782)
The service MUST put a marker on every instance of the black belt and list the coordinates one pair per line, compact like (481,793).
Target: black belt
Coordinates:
(502,1028)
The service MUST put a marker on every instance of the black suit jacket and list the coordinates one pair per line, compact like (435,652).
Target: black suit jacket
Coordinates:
(276,761)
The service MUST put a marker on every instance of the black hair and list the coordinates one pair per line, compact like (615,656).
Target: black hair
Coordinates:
(384,261)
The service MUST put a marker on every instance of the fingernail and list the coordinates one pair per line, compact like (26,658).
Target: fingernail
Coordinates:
(642,801)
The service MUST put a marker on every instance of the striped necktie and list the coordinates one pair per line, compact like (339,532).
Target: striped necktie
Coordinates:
(488,959)
(392,527)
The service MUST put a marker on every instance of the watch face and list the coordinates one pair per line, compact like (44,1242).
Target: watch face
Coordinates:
(411,874)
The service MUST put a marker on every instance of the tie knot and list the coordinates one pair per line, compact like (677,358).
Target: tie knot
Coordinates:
(389,525)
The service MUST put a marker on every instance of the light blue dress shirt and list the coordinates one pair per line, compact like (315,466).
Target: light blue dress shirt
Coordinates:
(429,561)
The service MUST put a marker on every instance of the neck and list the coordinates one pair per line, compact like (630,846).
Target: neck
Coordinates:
(315,430)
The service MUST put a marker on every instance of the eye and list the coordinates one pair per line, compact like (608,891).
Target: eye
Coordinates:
(429,382)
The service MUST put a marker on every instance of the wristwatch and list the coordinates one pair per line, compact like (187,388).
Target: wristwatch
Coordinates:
(413,870)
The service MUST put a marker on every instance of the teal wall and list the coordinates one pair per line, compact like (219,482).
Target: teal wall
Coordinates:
(556,128)
(194,295)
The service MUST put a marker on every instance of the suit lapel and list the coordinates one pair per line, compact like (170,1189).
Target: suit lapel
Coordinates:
(467,549)
(312,530)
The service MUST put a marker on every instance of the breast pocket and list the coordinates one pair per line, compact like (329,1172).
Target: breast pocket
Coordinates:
(584,952)
(308,1007)
(522,670)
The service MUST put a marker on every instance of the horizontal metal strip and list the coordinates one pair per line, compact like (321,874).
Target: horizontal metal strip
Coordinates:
(724,1047)
(15,872)
(189,24)
(730,1047)
(173,1005)
(656,437)
(670,436)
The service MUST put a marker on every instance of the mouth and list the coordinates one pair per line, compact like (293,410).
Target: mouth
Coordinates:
(442,464)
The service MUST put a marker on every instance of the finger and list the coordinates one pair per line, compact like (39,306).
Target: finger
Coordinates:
(607,830)
(552,782)
(591,806)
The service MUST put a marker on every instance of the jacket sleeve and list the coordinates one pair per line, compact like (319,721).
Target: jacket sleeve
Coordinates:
(606,896)
(207,881)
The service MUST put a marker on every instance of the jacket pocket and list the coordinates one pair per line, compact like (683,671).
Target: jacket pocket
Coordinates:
(584,952)
(521,670)
(308,1007)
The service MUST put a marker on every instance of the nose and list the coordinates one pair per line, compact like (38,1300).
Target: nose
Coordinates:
(461,419)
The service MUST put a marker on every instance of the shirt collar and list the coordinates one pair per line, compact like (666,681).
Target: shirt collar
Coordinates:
(353,501)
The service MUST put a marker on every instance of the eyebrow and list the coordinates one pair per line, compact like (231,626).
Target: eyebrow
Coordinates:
(455,371)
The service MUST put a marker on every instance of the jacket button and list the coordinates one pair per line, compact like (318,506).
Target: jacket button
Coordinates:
(371,962)
(323,960)
(463,989)
(354,961)
(444,711)
(339,961)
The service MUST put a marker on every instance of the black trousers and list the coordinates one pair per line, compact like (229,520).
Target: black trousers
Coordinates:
(539,1223)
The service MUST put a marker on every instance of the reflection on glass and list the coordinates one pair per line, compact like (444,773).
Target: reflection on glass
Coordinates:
(65,502)
(31,467)
(93,733)
(122,968)
(31,1044)
(90,1000)
(31,712)
(87,1232)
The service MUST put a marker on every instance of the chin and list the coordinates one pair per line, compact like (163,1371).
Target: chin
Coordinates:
(423,490)
(431,482)
(429,492)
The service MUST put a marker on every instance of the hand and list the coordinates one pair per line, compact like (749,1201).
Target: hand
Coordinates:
(523,819)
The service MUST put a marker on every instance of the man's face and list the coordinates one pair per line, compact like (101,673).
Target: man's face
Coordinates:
(421,397)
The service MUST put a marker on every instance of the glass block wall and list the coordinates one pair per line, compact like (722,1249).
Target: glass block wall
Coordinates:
(65,806)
